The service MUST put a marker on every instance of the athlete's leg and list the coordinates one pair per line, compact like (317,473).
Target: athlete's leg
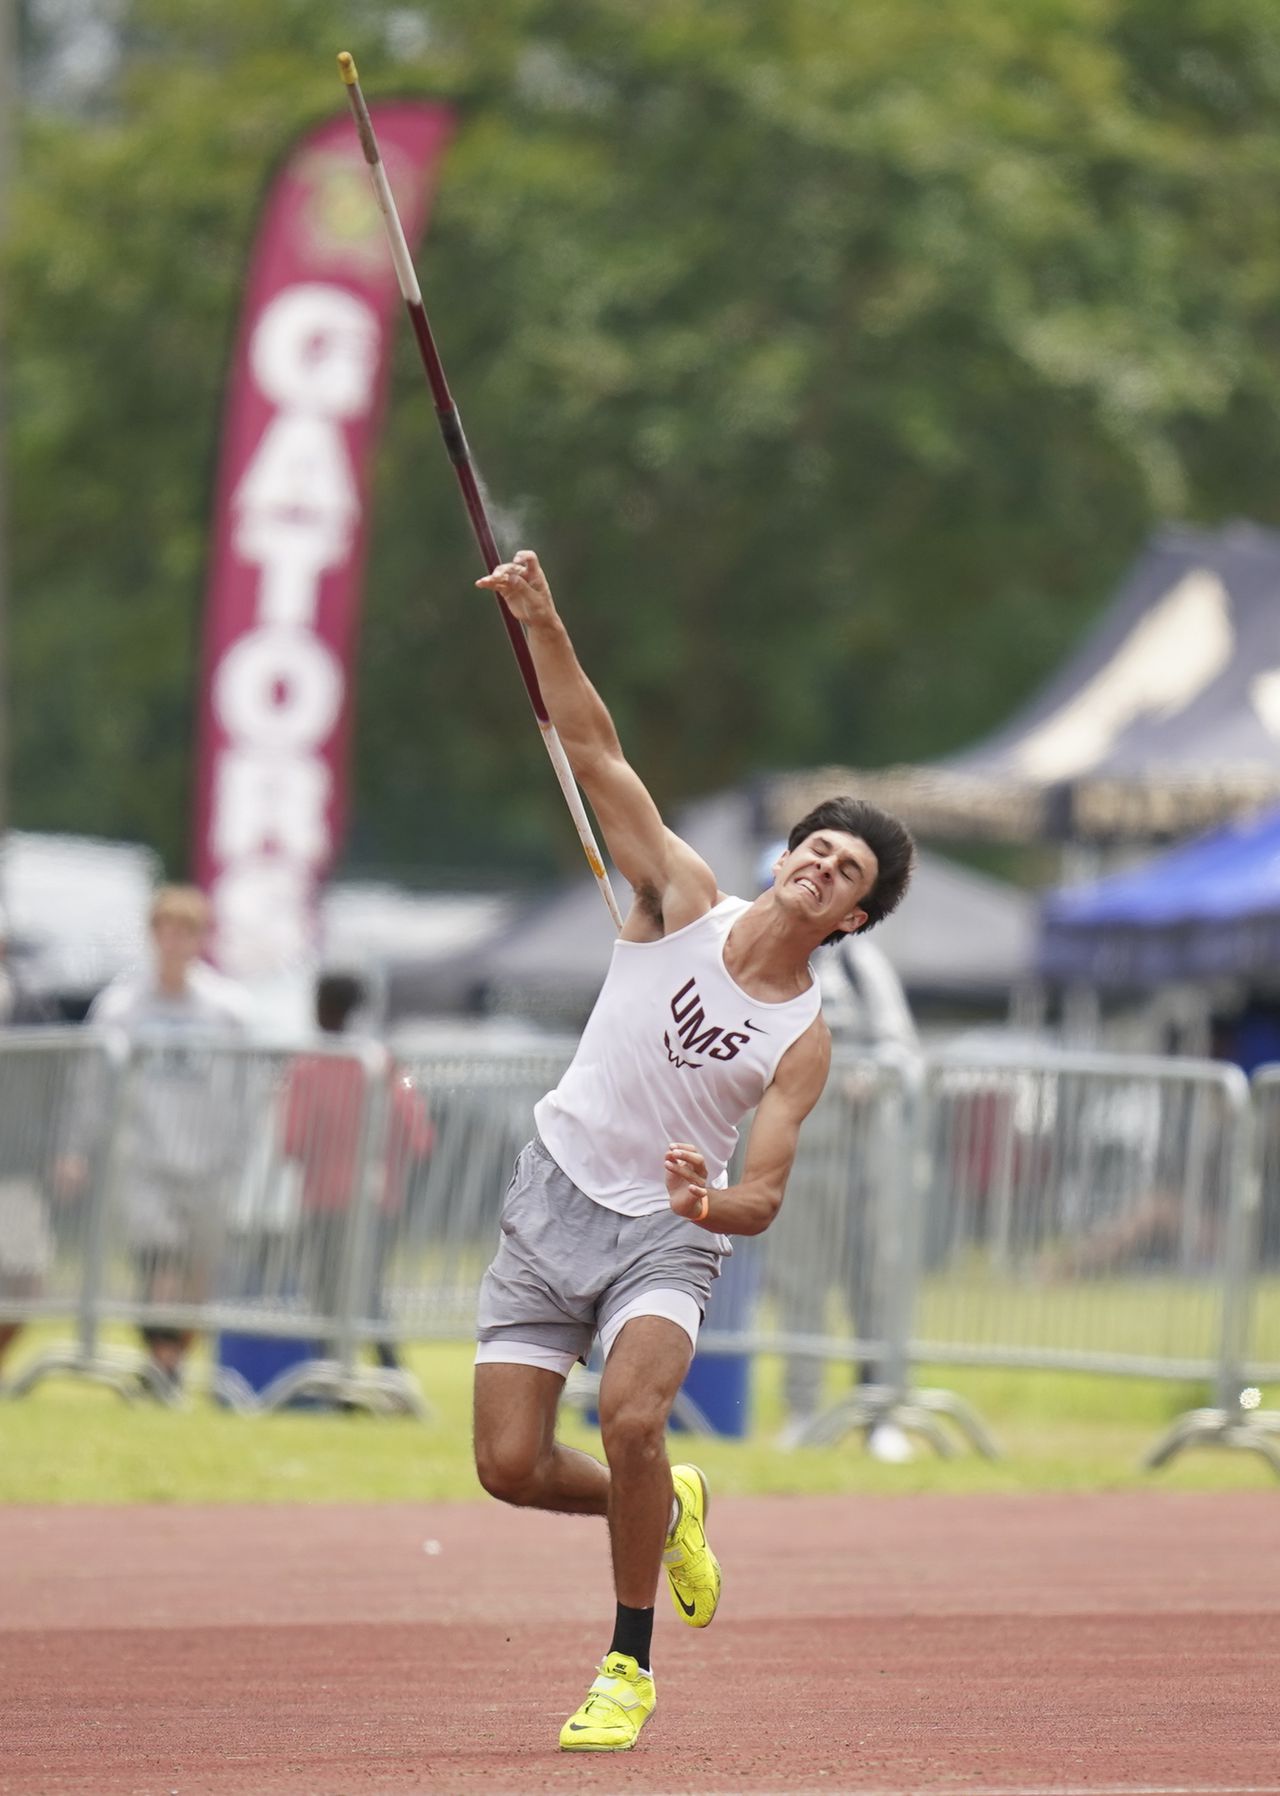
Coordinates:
(647,1354)
(645,1368)
(518,1457)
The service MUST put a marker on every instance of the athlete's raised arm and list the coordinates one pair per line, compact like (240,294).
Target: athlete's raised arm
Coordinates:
(672,885)
(748,1207)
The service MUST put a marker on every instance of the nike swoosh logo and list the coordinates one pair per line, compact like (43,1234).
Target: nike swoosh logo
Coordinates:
(687,1607)
(756,1026)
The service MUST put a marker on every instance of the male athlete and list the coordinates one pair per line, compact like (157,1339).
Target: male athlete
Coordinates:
(617,1215)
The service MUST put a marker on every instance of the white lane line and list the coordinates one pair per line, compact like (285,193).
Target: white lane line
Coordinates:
(941,1787)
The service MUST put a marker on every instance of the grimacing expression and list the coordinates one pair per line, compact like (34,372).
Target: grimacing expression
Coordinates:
(827,876)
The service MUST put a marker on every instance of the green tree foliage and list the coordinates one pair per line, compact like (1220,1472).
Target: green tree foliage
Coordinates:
(836,357)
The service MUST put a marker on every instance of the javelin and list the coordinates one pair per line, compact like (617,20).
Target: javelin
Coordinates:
(455,443)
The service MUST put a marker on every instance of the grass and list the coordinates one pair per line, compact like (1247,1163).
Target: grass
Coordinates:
(1161,1316)
(69,1442)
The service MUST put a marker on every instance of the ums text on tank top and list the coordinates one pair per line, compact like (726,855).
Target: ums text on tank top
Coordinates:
(674,1050)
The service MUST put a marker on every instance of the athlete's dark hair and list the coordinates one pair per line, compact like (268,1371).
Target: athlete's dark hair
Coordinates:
(887,839)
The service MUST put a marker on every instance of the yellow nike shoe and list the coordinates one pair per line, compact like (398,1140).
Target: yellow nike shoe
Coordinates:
(618,1704)
(693,1570)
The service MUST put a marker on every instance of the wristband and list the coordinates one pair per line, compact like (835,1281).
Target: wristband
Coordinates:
(701,1212)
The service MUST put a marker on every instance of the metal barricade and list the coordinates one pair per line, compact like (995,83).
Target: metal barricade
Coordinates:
(1261,1350)
(455,1119)
(829,1277)
(52,1181)
(1058,1211)
(299,1217)
(828,1263)
(1083,1212)
(237,1204)
(835,1266)
(1250,1352)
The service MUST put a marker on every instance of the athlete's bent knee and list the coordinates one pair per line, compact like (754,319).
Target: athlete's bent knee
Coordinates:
(507,1471)
(634,1431)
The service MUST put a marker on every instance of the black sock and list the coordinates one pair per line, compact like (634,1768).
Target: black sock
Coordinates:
(633,1634)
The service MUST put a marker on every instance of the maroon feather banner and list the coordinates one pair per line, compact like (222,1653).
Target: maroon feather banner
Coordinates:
(304,404)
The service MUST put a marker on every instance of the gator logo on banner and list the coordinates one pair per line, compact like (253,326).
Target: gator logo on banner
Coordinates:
(304,402)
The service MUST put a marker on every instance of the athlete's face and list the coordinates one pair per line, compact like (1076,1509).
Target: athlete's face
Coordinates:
(826,878)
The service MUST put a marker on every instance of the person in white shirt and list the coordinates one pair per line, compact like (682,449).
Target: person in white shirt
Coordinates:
(180,1134)
(620,1209)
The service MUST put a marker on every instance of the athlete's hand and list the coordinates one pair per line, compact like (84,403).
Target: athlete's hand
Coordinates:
(523,585)
(686,1172)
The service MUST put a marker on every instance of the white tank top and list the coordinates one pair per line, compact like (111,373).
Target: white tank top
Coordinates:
(673,1051)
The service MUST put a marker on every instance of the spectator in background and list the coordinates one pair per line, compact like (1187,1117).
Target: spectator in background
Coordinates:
(866,1009)
(26,1094)
(180,1139)
(323,1131)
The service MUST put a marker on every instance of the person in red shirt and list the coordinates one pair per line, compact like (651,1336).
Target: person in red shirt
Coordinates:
(323,1132)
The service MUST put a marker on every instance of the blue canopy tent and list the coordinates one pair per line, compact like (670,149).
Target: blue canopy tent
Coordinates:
(1208,909)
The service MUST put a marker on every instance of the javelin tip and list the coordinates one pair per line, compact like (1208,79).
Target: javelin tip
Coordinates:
(347,67)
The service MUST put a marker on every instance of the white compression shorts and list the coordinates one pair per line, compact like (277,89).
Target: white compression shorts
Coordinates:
(675,1306)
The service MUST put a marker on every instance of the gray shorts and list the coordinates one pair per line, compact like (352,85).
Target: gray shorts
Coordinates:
(565,1265)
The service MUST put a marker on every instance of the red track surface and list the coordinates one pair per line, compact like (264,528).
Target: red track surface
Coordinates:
(1100,1643)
